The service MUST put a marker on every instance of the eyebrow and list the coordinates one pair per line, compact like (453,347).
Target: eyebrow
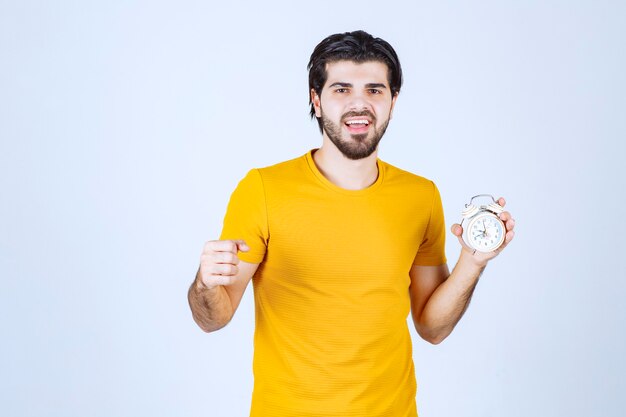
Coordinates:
(348,85)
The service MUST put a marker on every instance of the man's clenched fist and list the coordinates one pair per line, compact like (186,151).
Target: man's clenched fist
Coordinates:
(218,262)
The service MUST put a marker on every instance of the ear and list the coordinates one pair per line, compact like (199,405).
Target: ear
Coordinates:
(393,103)
(315,99)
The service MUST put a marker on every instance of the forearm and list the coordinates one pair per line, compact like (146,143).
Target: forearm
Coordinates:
(211,307)
(450,300)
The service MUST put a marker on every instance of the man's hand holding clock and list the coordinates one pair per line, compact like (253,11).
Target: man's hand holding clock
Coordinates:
(485,230)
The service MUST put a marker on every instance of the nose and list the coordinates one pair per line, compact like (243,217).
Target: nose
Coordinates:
(359,102)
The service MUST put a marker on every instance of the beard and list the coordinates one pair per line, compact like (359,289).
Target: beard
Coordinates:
(360,145)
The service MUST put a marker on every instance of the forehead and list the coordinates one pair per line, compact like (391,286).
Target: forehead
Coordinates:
(357,72)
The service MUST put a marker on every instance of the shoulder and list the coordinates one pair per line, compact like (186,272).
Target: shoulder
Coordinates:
(284,167)
(398,177)
(281,176)
(276,170)
(289,171)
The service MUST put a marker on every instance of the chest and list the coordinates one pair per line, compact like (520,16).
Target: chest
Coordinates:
(345,239)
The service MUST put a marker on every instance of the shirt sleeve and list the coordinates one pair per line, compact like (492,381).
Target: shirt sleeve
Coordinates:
(432,250)
(246,217)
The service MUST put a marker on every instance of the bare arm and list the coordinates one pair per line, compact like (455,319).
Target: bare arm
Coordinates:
(439,298)
(220,283)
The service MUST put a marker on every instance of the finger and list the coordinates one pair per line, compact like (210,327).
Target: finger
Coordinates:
(220,246)
(222,269)
(464,245)
(507,219)
(222,258)
(242,246)
(226,246)
(457,230)
(215,280)
(507,239)
(510,224)
(502,201)
(504,216)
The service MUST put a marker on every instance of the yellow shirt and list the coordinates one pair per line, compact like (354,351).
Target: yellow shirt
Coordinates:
(331,291)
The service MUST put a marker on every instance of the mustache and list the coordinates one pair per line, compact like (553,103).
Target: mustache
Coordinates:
(353,113)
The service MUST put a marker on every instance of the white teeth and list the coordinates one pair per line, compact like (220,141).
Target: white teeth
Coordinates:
(357,122)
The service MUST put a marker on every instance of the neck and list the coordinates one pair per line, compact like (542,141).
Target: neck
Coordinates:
(343,172)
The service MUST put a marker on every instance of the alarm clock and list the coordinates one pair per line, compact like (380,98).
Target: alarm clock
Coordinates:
(484,231)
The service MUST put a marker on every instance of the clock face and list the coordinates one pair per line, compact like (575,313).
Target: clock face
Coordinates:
(485,232)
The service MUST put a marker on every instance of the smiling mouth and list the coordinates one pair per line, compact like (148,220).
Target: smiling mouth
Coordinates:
(357,126)
(358,123)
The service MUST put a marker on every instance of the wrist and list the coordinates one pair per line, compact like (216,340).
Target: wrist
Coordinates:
(473,259)
(200,286)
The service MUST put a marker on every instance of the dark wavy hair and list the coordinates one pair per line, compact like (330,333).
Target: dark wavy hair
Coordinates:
(357,46)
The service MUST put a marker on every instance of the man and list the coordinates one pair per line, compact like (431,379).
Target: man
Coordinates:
(341,246)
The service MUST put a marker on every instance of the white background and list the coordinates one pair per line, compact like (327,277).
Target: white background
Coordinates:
(125,125)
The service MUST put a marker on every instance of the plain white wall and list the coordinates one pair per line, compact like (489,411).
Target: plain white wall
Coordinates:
(124,127)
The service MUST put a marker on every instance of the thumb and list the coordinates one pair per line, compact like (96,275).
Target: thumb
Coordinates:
(457,230)
(242,246)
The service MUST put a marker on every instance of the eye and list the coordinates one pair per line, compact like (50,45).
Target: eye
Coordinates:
(341,90)
(374,91)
